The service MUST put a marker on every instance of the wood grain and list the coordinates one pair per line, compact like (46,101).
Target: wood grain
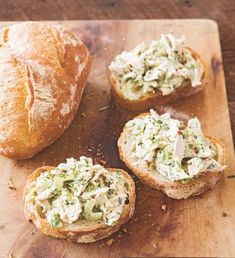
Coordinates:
(202,226)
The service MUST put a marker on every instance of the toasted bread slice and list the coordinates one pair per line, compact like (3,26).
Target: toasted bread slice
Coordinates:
(173,189)
(81,231)
(156,99)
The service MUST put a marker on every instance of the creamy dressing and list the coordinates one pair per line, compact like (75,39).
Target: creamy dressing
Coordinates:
(177,151)
(79,190)
(159,65)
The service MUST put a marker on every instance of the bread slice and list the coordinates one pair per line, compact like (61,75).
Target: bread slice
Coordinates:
(81,231)
(175,189)
(156,99)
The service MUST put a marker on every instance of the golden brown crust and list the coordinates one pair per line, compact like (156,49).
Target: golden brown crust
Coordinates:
(150,100)
(176,190)
(80,231)
(43,70)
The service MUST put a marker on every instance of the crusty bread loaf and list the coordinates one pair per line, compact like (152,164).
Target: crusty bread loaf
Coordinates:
(173,189)
(81,231)
(156,99)
(43,70)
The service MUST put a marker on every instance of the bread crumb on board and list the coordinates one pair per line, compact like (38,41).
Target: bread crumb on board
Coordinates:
(110,241)
(155,245)
(83,115)
(125,230)
(104,108)
(164,207)
(120,234)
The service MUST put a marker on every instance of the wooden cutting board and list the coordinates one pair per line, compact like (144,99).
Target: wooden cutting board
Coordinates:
(200,226)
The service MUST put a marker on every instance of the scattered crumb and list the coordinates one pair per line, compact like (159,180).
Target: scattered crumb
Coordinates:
(155,245)
(83,115)
(104,108)
(33,232)
(156,228)
(224,214)
(125,230)
(164,207)
(10,255)
(123,39)
(103,162)
(149,215)
(11,184)
(110,241)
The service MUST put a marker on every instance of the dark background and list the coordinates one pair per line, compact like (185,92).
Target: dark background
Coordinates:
(222,11)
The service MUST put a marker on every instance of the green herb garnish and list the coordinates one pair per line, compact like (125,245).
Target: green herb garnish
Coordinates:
(56,221)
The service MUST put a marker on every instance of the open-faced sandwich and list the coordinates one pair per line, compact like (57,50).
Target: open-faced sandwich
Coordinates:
(78,200)
(155,73)
(170,155)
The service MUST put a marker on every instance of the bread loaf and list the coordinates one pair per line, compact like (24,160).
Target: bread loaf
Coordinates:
(43,70)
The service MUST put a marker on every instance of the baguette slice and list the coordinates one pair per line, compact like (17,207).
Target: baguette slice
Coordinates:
(175,189)
(81,231)
(156,99)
